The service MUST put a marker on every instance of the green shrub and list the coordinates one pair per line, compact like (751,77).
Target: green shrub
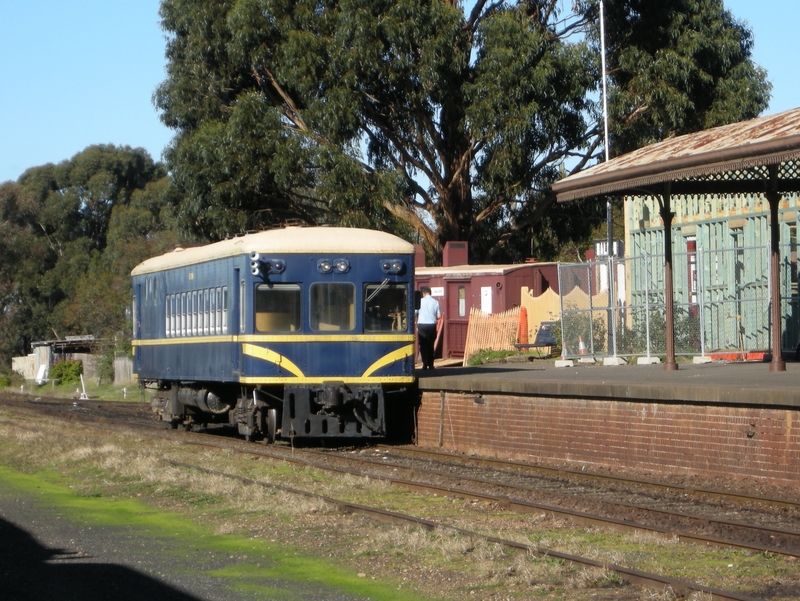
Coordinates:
(10,379)
(487,356)
(67,371)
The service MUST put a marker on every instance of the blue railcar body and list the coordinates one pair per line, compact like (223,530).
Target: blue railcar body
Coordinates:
(290,332)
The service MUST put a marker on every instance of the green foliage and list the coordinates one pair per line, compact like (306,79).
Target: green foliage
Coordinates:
(633,339)
(10,378)
(487,356)
(441,120)
(581,327)
(70,235)
(67,371)
(678,66)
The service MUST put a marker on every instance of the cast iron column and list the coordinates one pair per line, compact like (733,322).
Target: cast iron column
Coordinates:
(666,218)
(774,198)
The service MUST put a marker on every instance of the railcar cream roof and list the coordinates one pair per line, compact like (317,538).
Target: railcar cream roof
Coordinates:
(290,240)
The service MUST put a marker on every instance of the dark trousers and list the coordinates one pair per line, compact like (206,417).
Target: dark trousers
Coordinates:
(426,334)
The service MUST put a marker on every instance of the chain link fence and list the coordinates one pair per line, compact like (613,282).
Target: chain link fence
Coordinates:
(721,304)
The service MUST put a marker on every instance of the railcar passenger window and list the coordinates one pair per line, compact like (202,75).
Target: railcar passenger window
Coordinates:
(173,322)
(193,311)
(173,316)
(213,312)
(224,310)
(183,314)
(206,304)
(385,307)
(218,329)
(242,321)
(278,307)
(333,307)
(168,314)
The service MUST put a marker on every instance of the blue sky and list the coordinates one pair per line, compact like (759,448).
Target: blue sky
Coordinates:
(82,72)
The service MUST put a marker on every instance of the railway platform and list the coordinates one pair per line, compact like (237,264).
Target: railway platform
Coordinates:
(715,419)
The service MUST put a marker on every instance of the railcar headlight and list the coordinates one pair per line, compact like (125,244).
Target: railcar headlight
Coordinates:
(325,266)
(342,265)
(392,266)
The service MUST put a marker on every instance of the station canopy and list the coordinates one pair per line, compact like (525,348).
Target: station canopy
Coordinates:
(759,156)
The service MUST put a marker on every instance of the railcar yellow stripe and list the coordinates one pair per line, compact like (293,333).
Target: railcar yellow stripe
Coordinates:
(277,338)
(184,340)
(322,380)
(401,353)
(268,355)
(327,338)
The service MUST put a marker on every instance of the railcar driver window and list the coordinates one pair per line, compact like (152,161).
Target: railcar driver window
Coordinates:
(278,308)
(385,307)
(333,307)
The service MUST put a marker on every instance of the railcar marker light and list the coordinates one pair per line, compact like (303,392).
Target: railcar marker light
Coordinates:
(260,266)
(255,263)
(393,266)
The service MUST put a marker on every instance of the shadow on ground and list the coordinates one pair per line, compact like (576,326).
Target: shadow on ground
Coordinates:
(31,571)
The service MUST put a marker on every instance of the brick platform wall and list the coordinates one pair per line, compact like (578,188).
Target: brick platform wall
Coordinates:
(708,440)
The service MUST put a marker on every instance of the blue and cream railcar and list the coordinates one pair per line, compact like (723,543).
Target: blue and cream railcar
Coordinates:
(290,332)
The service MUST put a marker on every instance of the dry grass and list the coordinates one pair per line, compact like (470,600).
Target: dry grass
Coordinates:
(439,561)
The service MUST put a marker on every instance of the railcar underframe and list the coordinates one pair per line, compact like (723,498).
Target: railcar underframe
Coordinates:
(330,409)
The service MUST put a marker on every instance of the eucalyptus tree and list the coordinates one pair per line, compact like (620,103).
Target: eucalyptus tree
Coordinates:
(59,276)
(442,118)
(678,66)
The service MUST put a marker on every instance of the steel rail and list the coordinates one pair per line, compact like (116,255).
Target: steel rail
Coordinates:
(507,463)
(651,581)
(578,517)
(515,505)
(518,506)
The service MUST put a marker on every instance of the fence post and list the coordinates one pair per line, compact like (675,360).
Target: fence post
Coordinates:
(647,302)
(612,303)
(561,311)
(591,267)
(701,294)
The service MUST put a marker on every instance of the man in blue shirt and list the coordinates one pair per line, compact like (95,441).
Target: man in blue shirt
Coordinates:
(428,315)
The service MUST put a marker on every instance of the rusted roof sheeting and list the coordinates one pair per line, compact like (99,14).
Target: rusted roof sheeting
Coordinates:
(762,141)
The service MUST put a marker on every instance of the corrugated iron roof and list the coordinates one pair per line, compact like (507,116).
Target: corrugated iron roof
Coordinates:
(468,271)
(767,140)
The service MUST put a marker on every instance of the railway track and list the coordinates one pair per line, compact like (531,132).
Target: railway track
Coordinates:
(765,525)
(679,588)
(506,484)
(721,517)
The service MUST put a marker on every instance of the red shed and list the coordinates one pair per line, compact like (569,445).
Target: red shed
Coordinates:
(459,286)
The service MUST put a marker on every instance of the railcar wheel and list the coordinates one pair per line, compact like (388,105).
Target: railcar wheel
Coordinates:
(272,425)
